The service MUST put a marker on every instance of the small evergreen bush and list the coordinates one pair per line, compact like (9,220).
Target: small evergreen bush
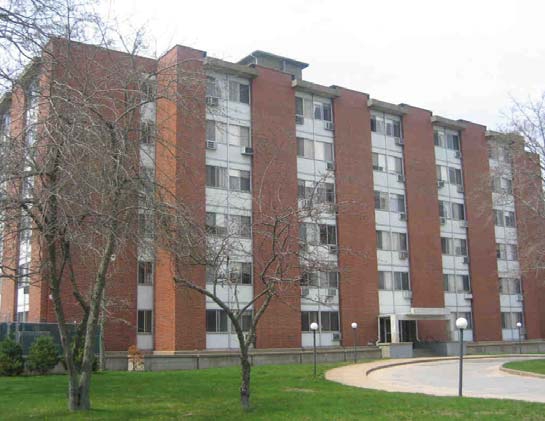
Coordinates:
(43,355)
(11,358)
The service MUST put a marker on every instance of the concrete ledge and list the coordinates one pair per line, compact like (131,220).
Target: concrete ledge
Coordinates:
(521,372)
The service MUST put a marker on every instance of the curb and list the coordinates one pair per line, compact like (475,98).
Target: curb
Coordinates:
(466,357)
(521,373)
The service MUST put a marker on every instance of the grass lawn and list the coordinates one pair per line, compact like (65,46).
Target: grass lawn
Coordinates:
(279,393)
(534,366)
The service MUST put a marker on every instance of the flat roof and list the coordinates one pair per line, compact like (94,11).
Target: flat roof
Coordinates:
(250,58)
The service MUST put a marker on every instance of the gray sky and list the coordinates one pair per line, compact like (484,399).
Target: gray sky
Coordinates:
(460,59)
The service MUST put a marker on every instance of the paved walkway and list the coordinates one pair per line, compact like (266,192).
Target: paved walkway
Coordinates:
(439,376)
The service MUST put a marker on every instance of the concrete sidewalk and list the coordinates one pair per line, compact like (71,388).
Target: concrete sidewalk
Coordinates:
(439,376)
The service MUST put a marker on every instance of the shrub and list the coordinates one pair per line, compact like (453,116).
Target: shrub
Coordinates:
(11,358)
(43,355)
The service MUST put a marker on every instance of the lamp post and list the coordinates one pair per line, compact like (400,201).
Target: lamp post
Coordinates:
(519,325)
(314,328)
(354,327)
(461,324)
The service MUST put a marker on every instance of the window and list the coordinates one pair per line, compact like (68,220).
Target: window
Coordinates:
(212,224)
(322,111)
(145,225)
(212,89)
(400,281)
(147,132)
(498,218)
(455,176)
(397,202)
(144,321)
(510,219)
(395,241)
(501,252)
(305,148)
(329,320)
(148,86)
(239,92)
(493,152)
(379,162)
(323,151)
(328,114)
(458,211)
(31,112)
(377,124)
(145,273)
(460,246)
(23,271)
(506,251)
(454,246)
(25,228)
(456,283)
(211,130)
(329,279)
(453,142)
(393,127)
(5,124)
(502,185)
(240,225)
(299,108)
(509,320)
(444,209)
(216,321)
(446,246)
(216,177)
(242,136)
(307,318)
(325,193)
(395,165)
(510,286)
(239,180)
(467,316)
(240,273)
(309,233)
(439,138)
(328,234)
(381,200)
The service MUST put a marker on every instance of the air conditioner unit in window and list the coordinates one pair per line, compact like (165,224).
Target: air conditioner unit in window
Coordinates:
(299,119)
(305,292)
(333,249)
(468,296)
(407,294)
(336,337)
(376,168)
(247,151)
(329,125)
(330,165)
(399,141)
(403,255)
(401,178)
(402,216)
(520,298)
(332,292)
(440,184)
(443,220)
(212,101)
(460,189)
(466,260)
(463,224)
(210,144)
(458,154)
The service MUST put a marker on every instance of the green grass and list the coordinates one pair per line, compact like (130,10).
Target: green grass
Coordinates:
(534,366)
(279,393)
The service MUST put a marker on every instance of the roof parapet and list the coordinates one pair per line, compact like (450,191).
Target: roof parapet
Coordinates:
(448,123)
(386,107)
(231,68)
(315,89)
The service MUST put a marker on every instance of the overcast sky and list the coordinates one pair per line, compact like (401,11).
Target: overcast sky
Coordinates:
(460,59)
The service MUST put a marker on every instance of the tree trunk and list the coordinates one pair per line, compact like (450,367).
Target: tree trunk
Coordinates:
(78,395)
(245,385)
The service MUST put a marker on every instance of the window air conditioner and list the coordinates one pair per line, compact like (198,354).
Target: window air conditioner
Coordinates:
(399,141)
(520,298)
(305,292)
(329,125)
(333,249)
(460,189)
(247,151)
(468,296)
(403,255)
(407,294)
(463,224)
(466,260)
(336,337)
(299,119)
(401,178)
(211,144)
(402,216)
(330,165)
(440,184)
(332,292)
(458,154)
(443,220)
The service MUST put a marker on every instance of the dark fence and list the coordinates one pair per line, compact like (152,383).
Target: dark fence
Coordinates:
(26,333)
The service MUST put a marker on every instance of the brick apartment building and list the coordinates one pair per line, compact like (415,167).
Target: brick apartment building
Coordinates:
(442,233)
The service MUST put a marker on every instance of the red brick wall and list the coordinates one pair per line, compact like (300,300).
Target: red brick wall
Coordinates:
(356,218)
(180,162)
(481,236)
(274,183)
(530,214)
(423,225)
